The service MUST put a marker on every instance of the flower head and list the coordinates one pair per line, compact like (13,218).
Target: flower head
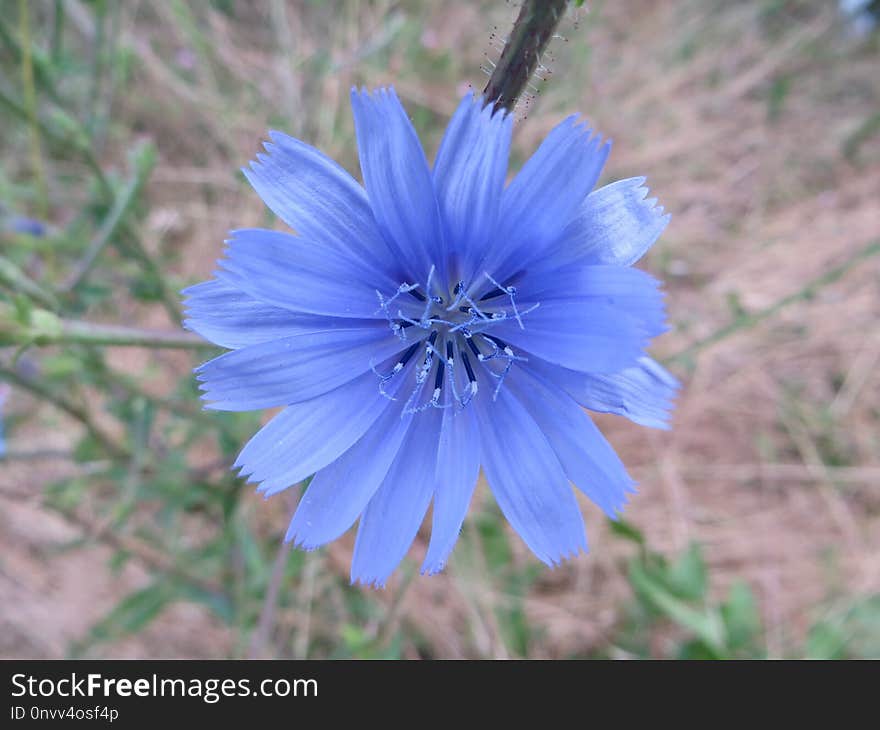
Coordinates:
(433,322)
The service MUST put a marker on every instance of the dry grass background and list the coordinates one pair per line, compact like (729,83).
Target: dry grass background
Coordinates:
(745,117)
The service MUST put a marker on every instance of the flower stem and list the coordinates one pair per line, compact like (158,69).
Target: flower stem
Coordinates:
(532,31)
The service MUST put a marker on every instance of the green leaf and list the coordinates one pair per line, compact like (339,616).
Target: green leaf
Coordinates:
(627,531)
(741,618)
(825,641)
(134,612)
(704,622)
(687,577)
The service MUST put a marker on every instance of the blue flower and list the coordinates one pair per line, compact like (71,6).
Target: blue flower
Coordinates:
(434,322)
(27,226)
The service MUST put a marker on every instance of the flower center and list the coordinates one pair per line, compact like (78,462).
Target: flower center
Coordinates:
(449,328)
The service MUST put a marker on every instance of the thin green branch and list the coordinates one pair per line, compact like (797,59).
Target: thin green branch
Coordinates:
(77,412)
(144,160)
(181,408)
(30,103)
(41,327)
(749,320)
(87,333)
(67,132)
(15,279)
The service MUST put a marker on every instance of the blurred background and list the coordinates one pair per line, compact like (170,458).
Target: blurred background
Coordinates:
(756,529)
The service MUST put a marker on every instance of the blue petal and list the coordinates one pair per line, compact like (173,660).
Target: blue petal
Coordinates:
(318,199)
(308,436)
(396,511)
(643,393)
(232,319)
(528,481)
(469,175)
(585,455)
(297,274)
(458,467)
(616,224)
(341,490)
(627,290)
(398,182)
(579,334)
(545,196)
(294,369)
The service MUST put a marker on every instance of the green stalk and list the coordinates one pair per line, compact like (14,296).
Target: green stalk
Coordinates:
(87,333)
(41,328)
(30,103)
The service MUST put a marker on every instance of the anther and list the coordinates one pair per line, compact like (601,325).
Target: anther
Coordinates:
(467,366)
(500,290)
(438,382)
(474,348)
(501,344)
(405,359)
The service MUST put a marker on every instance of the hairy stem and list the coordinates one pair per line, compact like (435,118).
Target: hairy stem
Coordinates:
(532,31)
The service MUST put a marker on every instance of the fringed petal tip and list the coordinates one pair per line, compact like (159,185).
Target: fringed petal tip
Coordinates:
(379,93)
(555,561)
(300,542)
(433,569)
(377,584)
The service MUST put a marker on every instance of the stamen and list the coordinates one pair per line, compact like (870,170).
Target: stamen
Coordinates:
(500,290)
(470,321)
(496,292)
(422,376)
(509,291)
(508,356)
(450,361)
(400,365)
(384,304)
(429,358)
(474,348)
(467,366)
(438,377)
(500,343)
(458,291)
